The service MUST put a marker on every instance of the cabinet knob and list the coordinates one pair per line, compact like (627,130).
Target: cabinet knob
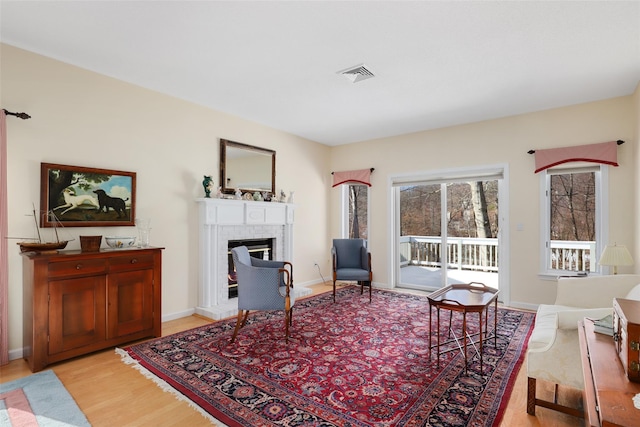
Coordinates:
(133,261)
(79,266)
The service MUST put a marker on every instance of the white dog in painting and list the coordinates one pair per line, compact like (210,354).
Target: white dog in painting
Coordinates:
(71,201)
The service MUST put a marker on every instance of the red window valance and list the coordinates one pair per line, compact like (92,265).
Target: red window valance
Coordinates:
(361,176)
(604,153)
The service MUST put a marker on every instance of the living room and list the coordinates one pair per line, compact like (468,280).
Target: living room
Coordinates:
(84,118)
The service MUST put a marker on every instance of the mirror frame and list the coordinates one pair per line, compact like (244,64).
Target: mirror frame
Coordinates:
(224,144)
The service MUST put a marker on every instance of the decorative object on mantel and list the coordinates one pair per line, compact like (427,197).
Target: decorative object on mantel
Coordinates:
(257,196)
(238,194)
(207,183)
(290,200)
(283,196)
(219,193)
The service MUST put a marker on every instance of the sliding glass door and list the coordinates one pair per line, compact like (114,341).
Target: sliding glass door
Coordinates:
(447,230)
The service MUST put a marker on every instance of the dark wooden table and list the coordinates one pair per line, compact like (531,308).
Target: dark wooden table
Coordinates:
(464,298)
(608,393)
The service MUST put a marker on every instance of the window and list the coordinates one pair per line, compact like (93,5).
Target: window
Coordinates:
(355,211)
(572,220)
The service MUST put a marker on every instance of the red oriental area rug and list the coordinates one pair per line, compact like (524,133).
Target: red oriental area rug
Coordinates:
(350,363)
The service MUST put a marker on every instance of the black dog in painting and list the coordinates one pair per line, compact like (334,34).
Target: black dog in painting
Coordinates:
(105,201)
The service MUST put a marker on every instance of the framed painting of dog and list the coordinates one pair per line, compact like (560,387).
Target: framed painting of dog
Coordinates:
(77,196)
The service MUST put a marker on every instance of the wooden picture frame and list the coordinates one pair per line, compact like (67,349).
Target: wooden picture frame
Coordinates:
(76,196)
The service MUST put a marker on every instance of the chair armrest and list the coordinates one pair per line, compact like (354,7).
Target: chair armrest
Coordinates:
(365,258)
(266,263)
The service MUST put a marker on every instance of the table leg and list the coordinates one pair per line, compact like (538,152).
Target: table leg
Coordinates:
(464,338)
(480,335)
(430,311)
(438,335)
(495,323)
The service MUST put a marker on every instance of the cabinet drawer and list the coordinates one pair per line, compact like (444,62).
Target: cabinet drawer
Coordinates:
(77,268)
(131,262)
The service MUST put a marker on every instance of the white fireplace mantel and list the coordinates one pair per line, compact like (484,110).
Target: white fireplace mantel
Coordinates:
(222,220)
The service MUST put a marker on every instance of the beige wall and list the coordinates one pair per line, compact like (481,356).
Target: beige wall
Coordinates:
(86,119)
(82,118)
(502,141)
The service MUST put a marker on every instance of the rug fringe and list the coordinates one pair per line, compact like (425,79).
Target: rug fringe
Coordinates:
(164,386)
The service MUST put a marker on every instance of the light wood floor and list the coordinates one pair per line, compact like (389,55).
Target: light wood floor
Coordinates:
(111,393)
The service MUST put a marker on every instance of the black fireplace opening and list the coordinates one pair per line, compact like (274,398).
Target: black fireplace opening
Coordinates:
(258,248)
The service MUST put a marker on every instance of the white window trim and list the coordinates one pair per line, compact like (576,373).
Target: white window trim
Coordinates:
(602,218)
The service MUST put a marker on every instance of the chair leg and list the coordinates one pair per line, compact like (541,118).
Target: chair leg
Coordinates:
(334,291)
(288,318)
(370,291)
(239,323)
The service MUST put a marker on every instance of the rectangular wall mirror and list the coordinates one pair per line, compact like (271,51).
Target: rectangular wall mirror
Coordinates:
(247,168)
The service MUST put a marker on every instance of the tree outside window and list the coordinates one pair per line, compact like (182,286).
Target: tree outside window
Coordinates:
(358,206)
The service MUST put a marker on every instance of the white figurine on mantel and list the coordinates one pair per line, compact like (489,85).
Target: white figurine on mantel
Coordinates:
(283,196)
(238,194)
(219,194)
(291,193)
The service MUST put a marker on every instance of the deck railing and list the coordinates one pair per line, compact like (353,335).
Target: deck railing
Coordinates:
(481,254)
(572,256)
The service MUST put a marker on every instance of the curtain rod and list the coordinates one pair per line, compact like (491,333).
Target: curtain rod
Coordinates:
(372,169)
(619,142)
(22,116)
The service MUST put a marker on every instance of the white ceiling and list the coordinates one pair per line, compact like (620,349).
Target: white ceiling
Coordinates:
(437,64)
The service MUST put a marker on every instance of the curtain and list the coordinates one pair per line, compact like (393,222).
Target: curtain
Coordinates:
(4,259)
(604,153)
(361,176)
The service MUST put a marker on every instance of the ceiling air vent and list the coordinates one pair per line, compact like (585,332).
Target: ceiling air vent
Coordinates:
(357,73)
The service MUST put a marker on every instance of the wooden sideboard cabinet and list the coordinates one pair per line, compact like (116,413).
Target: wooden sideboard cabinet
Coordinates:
(79,302)
(608,393)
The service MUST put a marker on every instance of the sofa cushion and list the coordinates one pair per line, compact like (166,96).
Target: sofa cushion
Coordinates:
(550,318)
(634,293)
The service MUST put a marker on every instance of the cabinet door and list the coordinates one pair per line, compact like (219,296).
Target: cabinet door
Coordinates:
(130,302)
(77,312)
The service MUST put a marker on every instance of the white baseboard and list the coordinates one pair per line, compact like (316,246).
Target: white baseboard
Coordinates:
(16,354)
(523,305)
(178,315)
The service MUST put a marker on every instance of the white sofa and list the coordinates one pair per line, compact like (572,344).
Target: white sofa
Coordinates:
(553,352)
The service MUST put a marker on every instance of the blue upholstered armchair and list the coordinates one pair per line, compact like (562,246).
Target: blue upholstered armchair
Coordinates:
(262,285)
(351,262)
